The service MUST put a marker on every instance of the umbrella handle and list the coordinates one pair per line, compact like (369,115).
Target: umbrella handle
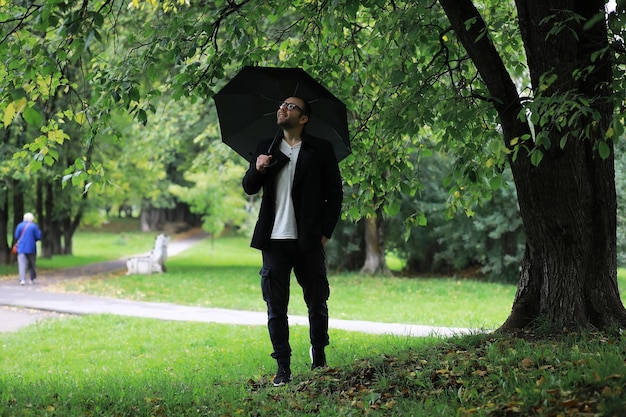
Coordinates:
(271,164)
(269,150)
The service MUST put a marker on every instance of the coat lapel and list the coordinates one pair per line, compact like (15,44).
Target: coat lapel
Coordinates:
(304,159)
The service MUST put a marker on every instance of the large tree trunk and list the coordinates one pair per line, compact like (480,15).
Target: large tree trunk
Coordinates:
(375,263)
(151,218)
(5,247)
(18,204)
(568,201)
(50,228)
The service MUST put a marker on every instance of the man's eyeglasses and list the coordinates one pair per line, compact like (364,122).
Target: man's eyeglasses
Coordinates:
(289,106)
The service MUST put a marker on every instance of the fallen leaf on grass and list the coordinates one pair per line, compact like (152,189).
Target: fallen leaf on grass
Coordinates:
(527,364)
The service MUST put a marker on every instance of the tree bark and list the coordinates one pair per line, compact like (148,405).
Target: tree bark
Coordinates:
(5,248)
(375,263)
(567,202)
(151,218)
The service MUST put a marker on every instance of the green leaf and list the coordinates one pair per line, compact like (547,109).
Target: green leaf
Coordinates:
(535,157)
(142,116)
(495,183)
(18,93)
(355,212)
(33,117)
(604,150)
(594,20)
(133,94)
(397,77)
(394,208)
(618,128)
(35,165)
(48,160)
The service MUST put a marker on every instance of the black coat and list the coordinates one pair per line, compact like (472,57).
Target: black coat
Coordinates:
(317,192)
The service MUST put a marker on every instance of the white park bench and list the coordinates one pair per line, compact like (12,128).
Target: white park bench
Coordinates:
(152,262)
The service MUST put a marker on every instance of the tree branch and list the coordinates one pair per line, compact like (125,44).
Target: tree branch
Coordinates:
(233,7)
(20,21)
(471,30)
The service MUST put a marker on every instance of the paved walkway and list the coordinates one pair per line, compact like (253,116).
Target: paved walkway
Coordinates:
(24,305)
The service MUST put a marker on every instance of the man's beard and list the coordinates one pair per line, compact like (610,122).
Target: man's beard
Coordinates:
(286,123)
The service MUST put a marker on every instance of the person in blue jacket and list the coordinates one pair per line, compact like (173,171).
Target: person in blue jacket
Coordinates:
(27,234)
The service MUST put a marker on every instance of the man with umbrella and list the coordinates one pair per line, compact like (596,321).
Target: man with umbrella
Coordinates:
(301,204)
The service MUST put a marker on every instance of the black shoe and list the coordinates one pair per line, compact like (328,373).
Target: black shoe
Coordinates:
(283,376)
(318,357)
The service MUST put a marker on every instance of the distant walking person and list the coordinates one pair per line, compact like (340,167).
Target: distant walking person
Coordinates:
(301,204)
(27,234)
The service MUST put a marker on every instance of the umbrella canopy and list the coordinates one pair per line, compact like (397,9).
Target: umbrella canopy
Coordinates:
(247,105)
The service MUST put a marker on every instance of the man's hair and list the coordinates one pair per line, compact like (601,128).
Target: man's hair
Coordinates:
(29,217)
(306,109)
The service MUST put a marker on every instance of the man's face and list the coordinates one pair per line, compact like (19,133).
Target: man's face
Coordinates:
(288,118)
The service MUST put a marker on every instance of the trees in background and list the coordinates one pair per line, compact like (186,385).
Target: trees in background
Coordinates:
(536,86)
(490,243)
(74,147)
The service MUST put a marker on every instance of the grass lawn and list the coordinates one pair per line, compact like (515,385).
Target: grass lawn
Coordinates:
(104,365)
(225,273)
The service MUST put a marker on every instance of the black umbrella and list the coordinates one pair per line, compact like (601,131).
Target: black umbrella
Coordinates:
(247,105)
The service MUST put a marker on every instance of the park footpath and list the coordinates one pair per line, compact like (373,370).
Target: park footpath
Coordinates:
(21,306)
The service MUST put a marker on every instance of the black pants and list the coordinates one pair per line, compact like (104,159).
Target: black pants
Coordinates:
(310,270)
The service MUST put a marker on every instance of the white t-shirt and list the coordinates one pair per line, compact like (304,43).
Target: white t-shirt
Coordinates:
(285,219)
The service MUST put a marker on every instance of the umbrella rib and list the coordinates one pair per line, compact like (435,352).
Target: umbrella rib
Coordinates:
(268,98)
